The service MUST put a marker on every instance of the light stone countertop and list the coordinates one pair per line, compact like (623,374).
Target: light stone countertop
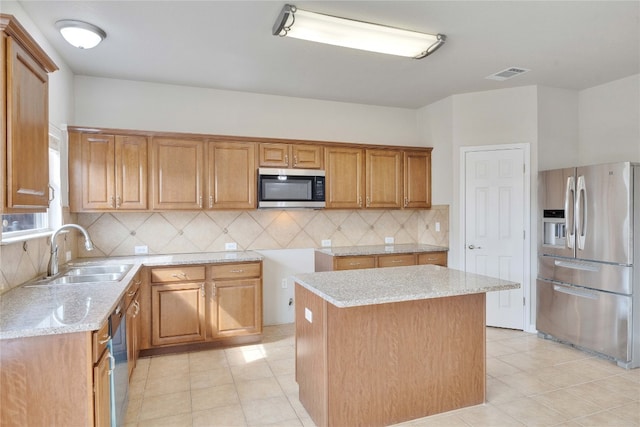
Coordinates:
(29,310)
(352,288)
(380,249)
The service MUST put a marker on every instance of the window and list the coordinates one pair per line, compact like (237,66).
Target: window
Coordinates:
(27,224)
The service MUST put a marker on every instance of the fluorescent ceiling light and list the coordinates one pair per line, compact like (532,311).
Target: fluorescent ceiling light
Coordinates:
(80,34)
(302,24)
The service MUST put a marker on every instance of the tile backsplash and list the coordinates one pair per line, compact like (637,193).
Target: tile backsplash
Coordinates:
(117,234)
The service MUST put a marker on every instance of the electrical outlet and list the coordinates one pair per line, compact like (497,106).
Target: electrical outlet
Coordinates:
(437,226)
(231,246)
(284,284)
(389,240)
(141,250)
(326,243)
(67,256)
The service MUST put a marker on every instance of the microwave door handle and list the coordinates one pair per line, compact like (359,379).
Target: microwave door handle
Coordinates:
(569,219)
(581,212)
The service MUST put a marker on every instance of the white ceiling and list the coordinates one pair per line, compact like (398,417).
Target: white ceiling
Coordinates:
(228,45)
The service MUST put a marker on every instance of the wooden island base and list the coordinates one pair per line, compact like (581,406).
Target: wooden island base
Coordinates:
(383,364)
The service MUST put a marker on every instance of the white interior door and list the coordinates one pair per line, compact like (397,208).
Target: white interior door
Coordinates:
(494,227)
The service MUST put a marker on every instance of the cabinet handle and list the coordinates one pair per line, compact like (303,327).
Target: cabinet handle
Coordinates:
(180,276)
(112,202)
(213,294)
(136,304)
(210,201)
(112,364)
(406,202)
(368,202)
(118,202)
(131,293)
(286,158)
(360,201)
(354,263)
(137,282)
(104,341)
(395,261)
(295,160)
(203,290)
(52,193)
(237,271)
(200,201)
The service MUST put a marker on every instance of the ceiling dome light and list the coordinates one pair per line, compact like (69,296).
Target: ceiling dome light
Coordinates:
(80,34)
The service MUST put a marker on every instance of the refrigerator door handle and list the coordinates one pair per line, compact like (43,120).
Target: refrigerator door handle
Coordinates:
(581,212)
(575,292)
(569,222)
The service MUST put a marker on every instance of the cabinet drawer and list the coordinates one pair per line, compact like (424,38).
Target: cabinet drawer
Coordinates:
(100,339)
(396,260)
(132,289)
(438,258)
(355,262)
(235,271)
(177,274)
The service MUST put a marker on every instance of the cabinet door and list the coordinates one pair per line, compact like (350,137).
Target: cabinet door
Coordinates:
(306,156)
(102,390)
(27,131)
(131,172)
(177,311)
(98,182)
(383,179)
(232,175)
(237,307)
(344,174)
(437,258)
(417,179)
(274,155)
(177,167)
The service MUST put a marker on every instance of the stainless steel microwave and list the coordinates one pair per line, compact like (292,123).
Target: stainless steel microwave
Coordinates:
(291,188)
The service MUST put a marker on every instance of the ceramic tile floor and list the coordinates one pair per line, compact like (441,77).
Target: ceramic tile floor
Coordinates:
(530,382)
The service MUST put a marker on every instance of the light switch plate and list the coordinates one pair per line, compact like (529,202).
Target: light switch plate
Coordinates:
(437,226)
(231,246)
(141,250)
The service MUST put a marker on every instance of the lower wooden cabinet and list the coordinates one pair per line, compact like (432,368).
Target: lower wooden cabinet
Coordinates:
(132,304)
(198,304)
(102,390)
(326,262)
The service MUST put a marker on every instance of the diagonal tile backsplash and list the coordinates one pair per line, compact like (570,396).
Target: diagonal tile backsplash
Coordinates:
(116,234)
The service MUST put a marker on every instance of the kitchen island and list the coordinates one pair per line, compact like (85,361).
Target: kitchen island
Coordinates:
(381,346)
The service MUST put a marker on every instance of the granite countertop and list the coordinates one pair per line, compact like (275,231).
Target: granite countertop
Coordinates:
(380,249)
(352,288)
(29,310)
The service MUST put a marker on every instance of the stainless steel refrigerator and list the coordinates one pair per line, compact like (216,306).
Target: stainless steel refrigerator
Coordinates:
(588,291)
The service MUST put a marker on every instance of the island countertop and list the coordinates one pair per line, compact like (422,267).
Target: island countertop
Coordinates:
(29,310)
(354,288)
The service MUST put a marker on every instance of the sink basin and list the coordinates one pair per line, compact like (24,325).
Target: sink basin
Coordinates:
(86,278)
(99,269)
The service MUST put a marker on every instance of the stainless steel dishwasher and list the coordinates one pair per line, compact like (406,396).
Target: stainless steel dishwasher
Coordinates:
(120,373)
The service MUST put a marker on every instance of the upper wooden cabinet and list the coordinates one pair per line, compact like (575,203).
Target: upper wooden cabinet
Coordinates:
(24,108)
(112,172)
(299,156)
(383,179)
(232,175)
(344,177)
(417,179)
(177,173)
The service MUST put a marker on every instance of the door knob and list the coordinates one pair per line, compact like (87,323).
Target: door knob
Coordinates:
(474,247)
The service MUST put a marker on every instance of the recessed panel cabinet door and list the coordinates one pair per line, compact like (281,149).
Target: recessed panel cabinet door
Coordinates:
(131,172)
(177,173)
(237,307)
(178,313)
(384,179)
(98,181)
(232,175)
(27,131)
(417,179)
(344,175)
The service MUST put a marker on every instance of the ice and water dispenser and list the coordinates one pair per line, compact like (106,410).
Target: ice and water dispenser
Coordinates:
(554,227)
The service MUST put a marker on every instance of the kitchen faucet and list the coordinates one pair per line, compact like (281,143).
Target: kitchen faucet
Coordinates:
(52,268)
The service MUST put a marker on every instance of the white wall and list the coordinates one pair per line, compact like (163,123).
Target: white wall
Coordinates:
(610,122)
(150,106)
(558,128)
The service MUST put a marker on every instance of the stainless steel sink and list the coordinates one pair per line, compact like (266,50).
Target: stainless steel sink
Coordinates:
(87,278)
(99,269)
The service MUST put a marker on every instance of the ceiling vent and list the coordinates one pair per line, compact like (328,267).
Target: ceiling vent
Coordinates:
(507,73)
